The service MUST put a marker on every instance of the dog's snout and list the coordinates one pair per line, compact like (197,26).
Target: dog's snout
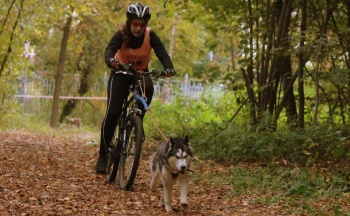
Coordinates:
(183,168)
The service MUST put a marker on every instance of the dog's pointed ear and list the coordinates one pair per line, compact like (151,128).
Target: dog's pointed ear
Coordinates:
(171,142)
(186,140)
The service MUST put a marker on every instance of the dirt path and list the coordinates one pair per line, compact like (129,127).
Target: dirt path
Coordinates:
(45,175)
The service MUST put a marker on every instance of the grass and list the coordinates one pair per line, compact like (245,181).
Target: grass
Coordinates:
(32,124)
(291,190)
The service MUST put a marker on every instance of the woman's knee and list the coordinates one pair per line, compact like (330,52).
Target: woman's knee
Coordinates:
(113,114)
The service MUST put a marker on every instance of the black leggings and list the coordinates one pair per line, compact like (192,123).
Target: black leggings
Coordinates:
(118,91)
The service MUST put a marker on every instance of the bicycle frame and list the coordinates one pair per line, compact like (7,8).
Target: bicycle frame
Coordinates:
(131,107)
(125,155)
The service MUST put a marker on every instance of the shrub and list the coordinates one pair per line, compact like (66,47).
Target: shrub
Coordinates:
(215,138)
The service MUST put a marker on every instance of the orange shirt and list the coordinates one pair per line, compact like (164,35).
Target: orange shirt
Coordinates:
(140,57)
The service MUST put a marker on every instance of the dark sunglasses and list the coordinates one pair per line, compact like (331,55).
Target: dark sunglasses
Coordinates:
(141,25)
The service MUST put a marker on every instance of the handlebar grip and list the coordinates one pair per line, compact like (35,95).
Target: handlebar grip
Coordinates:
(113,60)
(124,66)
(170,72)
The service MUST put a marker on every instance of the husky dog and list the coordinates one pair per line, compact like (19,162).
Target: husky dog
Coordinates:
(172,162)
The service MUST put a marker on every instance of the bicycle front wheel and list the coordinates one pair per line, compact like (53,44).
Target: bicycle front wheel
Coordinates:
(114,154)
(130,155)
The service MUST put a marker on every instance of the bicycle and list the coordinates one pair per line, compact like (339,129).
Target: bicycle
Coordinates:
(125,150)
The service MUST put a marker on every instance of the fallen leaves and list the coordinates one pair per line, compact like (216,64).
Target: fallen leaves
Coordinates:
(49,175)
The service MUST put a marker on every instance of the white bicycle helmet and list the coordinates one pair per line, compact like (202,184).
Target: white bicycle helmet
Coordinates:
(138,10)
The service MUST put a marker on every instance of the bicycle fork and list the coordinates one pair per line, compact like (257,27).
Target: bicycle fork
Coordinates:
(124,134)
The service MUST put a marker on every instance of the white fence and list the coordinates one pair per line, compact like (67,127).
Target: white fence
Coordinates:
(42,88)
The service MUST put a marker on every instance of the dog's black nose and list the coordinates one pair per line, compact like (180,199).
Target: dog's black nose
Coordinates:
(183,168)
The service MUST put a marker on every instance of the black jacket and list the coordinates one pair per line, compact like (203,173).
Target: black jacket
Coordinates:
(136,42)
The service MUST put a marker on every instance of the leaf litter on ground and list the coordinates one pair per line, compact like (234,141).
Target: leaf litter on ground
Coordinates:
(45,174)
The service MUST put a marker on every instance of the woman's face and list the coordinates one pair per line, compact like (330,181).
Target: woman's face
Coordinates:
(138,26)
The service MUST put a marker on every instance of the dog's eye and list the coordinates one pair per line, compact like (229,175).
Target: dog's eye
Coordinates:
(178,157)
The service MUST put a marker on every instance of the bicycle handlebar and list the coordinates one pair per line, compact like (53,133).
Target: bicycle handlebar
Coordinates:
(128,69)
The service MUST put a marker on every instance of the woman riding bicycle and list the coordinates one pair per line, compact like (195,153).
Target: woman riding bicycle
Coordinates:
(131,44)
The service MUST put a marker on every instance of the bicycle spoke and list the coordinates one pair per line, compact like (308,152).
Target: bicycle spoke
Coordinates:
(131,156)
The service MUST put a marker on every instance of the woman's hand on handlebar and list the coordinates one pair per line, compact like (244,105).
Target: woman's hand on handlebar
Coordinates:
(169,72)
(114,63)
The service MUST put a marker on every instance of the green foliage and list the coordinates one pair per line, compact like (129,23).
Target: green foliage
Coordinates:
(175,119)
(17,121)
(297,188)
(187,117)
(90,112)
(316,145)
(212,136)
(7,101)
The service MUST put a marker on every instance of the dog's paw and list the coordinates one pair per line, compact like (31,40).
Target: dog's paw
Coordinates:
(184,205)
(152,187)
(175,210)
(169,208)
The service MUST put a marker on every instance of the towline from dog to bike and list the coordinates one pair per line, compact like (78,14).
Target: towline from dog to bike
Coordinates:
(124,151)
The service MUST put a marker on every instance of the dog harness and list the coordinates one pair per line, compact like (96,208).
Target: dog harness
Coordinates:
(175,172)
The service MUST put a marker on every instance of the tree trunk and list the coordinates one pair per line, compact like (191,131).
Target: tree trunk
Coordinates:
(285,68)
(301,65)
(68,108)
(266,58)
(248,75)
(251,97)
(290,104)
(59,74)
(348,41)
(329,11)
(232,54)
(7,15)
(281,69)
(171,51)
(9,49)
(83,89)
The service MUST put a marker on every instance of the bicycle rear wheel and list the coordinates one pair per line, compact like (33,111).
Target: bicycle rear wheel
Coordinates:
(130,155)
(114,155)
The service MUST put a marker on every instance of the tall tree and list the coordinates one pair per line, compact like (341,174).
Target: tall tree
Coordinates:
(301,65)
(60,69)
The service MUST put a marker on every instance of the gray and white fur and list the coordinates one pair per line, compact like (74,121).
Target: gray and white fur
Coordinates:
(172,162)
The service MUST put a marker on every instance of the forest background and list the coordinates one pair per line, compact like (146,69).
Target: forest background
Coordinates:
(284,64)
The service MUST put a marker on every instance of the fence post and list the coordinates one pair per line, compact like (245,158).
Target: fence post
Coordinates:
(165,91)
(186,86)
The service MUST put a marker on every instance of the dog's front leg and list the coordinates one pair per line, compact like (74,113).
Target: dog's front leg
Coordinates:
(154,180)
(168,183)
(183,183)
(167,196)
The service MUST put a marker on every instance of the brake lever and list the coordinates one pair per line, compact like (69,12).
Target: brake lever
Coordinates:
(157,74)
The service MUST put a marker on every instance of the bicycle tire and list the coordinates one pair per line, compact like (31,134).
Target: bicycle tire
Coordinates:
(114,155)
(130,156)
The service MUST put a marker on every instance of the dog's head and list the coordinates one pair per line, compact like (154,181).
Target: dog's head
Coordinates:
(180,154)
